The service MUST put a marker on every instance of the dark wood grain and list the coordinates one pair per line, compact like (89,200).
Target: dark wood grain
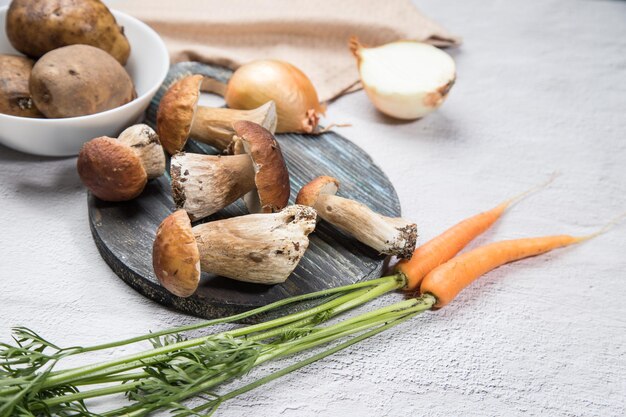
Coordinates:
(124,232)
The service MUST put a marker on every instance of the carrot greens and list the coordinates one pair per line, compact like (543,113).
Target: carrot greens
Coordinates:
(176,368)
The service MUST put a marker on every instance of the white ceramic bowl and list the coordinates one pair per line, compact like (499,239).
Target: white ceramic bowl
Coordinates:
(147,65)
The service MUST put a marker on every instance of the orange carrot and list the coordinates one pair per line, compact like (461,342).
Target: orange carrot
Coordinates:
(448,279)
(443,247)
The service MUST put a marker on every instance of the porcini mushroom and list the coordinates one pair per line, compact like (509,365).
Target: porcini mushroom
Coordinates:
(260,248)
(179,117)
(118,169)
(204,184)
(388,235)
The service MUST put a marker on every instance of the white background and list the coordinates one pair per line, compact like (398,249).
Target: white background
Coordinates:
(540,89)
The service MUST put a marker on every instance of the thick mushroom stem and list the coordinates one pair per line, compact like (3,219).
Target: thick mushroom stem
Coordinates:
(259,248)
(204,184)
(179,116)
(145,143)
(214,126)
(388,235)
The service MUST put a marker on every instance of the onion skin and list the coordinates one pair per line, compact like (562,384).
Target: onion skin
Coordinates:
(258,82)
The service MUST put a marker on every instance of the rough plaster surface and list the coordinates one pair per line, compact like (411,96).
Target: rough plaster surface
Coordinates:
(540,89)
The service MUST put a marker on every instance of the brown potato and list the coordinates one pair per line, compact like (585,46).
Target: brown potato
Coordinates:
(14,95)
(77,80)
(35,27)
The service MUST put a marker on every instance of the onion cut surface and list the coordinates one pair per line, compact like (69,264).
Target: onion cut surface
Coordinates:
(405,79)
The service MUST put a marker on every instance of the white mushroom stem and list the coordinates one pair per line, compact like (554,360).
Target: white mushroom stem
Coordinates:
(259,248)
(204,184)
(145,143)
(215,125)
(388,235)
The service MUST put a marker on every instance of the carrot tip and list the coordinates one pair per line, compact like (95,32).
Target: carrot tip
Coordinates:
(511,201)
(611,224)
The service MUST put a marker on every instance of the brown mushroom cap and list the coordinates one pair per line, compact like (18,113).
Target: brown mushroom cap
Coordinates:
(111,169)
(175,255)
(321,185)
(271,174)
(177,110)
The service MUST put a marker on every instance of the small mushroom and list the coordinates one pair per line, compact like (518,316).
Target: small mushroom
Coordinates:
(388,235)
(118,169)
(179,117)
(260,248)
(204,184)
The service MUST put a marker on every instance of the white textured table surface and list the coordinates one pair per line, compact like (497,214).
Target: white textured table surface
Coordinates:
(541,88)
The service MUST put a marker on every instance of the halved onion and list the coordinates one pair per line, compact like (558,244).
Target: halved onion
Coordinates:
(405,79)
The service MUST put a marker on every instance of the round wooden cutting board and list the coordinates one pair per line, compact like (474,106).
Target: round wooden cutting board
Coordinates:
(124,232)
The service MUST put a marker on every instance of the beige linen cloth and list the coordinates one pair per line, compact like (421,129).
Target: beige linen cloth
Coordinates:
(312,35)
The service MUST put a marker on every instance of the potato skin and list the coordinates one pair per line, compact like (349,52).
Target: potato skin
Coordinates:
(15,98)
(35,27)
(77,80)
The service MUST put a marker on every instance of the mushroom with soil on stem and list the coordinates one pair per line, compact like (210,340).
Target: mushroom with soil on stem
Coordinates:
(179,117)
(118,169)
(388,235)
(204,184)
(260,248)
